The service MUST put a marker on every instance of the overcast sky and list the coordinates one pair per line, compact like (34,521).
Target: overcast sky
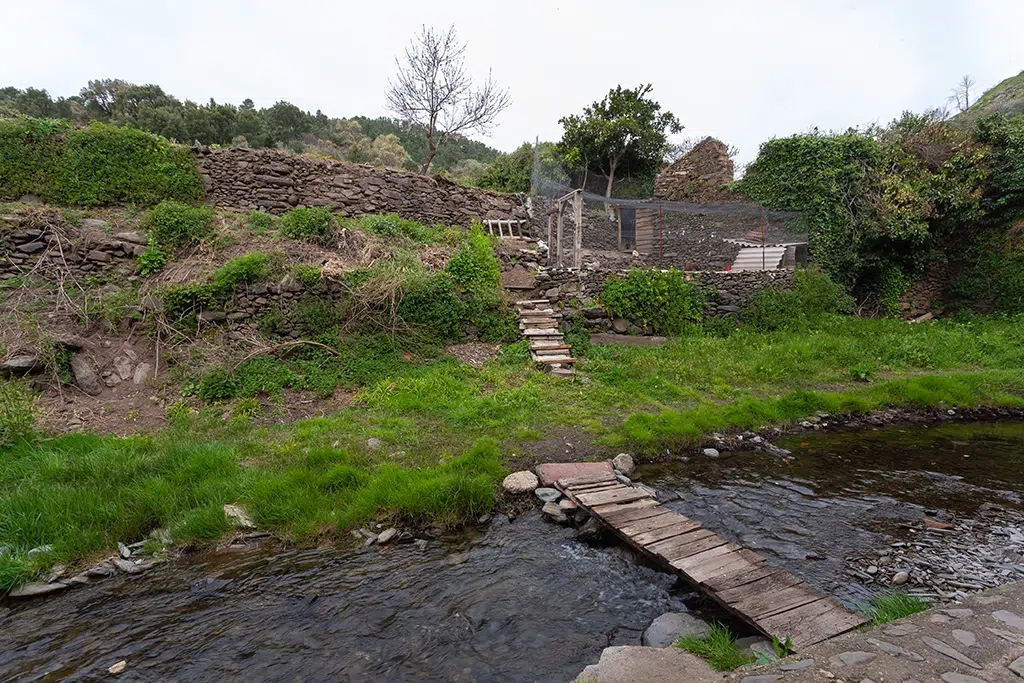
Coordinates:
(741,70)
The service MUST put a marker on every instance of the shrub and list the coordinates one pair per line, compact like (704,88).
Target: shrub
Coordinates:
(474,267)
(433,304)
(316,222)
(217,384)
(812,296)
(182,301)
(94,166)
(663,300)
(172,225)
(260,221)
(248,268)
(309,275)
(17,412)
(394,226)
(151,261)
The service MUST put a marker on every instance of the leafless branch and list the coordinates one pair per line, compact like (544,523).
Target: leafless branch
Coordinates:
(433,89)
(961,95)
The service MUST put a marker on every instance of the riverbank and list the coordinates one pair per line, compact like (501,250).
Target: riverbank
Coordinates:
(427,446)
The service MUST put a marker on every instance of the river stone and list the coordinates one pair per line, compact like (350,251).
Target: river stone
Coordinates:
(959,613)
(590,531)
(760,646)
(554,513)
(670,627)
(1017,666)
(520,482)
(101,571)
(546,495)
(1010,619)
(900,578)
(387,535)
(127,566)
(623,479)
(30,590)
(943,649)
(118,668)
(623,462)
(123,551)
(966,638)
(711,452)
(567,505)
(239,516)
(852,658)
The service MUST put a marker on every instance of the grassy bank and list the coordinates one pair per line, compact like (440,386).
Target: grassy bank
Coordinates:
(446,430)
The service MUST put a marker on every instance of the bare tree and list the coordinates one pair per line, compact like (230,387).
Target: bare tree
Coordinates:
(432,89)
(961,96)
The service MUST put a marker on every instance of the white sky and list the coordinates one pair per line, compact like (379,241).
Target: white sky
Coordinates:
(741,70)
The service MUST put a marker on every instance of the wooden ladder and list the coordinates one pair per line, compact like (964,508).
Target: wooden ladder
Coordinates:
(539,323)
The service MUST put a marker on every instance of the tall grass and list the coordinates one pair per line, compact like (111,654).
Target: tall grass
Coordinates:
(894,605)
(718,647)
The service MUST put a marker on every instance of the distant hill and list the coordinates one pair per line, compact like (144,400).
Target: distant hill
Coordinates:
(1007,97)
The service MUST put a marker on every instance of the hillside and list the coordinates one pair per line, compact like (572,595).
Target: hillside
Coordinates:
(1006,97)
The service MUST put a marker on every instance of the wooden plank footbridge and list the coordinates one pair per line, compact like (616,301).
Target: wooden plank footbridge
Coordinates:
(768,598)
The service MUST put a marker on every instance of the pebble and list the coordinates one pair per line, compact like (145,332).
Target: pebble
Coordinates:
(386,536)
(711,452)
(567,505)
(421,543)
(900,578)
(520,482)
(486,519)
(118,668)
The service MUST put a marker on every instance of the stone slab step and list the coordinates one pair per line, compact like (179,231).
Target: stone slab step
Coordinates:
(561,372)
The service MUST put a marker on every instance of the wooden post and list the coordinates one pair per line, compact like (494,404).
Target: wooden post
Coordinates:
(558,236)
(551,230)
(577,247)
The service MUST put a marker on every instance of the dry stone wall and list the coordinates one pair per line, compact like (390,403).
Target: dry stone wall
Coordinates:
(25,242)
(240,178)
(698,176)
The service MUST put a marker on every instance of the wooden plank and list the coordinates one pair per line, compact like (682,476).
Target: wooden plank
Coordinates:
(767,585)
(555,360)
(782,601)
(813,622)
(540,312)
(624,495)
(666,518)
(725,581)
(665,533)
(540,346)
(584,479)
(729,556)
(588,488)
(688,546)
(735,562)
(695,560)
(614,513)
(542,333)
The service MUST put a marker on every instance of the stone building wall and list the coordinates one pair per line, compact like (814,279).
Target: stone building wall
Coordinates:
(698,176)
(240,178)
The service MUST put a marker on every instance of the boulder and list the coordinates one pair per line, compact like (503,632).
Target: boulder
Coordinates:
(520,482)
(620,325)
(590,531)
(21,365)
(670,627)
(554,513)
(85,375)
(623,462)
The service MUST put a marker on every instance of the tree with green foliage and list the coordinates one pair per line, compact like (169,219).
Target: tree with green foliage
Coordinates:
(625,130)
(433,89)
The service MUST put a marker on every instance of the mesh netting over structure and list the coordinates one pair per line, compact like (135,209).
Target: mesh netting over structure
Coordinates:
(727,235)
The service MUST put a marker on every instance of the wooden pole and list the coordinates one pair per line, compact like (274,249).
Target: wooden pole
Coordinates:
(551,231)
(558,237)
(577,247)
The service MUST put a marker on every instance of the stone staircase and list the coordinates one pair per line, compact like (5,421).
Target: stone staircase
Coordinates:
(539,323)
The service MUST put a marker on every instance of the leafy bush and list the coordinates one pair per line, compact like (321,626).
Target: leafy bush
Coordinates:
(217,384)
(474,267)
(95,166)
(248,268)
(151,261)
(663,300)
(260,221)
(172,225)
(309,275)
(316,222)
(812,296)
(394,226)
(183,301)
(17,412)
(433,304)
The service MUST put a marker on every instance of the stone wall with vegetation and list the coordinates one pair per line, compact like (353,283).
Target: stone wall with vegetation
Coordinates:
(700,175)
(273,181)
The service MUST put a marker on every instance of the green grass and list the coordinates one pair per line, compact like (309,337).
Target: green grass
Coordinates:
(894,605)
(718,647)
(317,477)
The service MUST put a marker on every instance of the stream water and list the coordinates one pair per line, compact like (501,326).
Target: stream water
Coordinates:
(518,601)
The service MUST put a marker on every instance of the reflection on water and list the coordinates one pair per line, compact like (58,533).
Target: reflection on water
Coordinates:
(845,494)
(522,601)
(527,603)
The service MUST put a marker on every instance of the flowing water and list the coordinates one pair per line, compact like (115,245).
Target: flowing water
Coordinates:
(519,601)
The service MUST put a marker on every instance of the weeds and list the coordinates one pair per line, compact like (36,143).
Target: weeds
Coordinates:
(17,413)
(260,221)
(314,223)
(894,605)
(718,647)
(172,225)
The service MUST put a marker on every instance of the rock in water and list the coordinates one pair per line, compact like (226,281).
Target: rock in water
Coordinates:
(554,513)
(118,668)
(85,375)
(387,535)
(546,495)
(670,627)
(30,590)
(623,462)
(711,452)
(591,531)
(239,516)
(520,482)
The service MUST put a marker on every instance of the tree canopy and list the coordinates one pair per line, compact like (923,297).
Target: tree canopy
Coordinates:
(624,131)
